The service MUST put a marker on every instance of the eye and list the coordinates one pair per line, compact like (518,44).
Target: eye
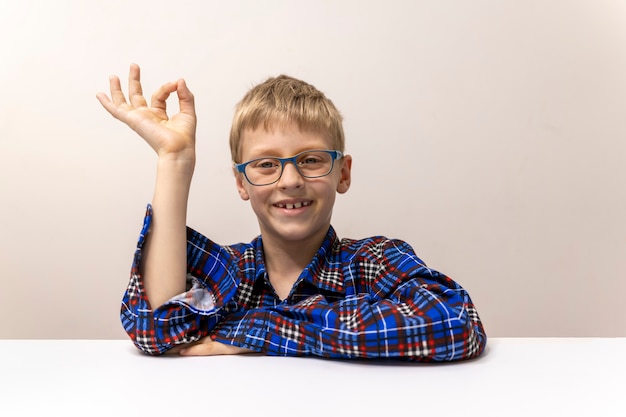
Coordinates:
(310,160)
(265,164)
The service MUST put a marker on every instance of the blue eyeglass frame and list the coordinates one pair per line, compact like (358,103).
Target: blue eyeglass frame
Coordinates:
(294,160)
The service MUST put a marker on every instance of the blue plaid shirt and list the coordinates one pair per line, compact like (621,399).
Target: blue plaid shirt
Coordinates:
(369,298)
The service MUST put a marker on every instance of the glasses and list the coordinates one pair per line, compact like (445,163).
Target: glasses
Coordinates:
(309,164)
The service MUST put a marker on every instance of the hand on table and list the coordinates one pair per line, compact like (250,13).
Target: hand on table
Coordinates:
(208,347)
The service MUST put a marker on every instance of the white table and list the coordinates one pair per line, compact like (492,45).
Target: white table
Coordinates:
(515,377)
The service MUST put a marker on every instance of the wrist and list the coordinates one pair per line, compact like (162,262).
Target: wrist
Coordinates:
(179,161)
(176,167)
(183,156)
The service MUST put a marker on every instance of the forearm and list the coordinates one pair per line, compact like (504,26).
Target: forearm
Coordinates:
(164,260)
(357,329)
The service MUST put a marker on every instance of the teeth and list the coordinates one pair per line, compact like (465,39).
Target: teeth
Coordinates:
(294,206)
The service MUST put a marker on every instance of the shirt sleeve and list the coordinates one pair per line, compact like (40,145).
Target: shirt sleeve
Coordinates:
(409,312)
(188,316)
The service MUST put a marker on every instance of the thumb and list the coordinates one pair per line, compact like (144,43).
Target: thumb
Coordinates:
(185,98)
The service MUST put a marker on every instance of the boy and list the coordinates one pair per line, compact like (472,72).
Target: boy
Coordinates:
(297,289)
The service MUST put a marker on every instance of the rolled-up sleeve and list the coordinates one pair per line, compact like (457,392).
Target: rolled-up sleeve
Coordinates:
(188,316)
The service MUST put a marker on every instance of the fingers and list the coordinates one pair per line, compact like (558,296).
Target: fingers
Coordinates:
(117,96)
(119,107)
(200,349)
(161,95)
(104,99)
(186,101)
(117,99)
(107,103)
(135,93)
(204,347)
(209,347)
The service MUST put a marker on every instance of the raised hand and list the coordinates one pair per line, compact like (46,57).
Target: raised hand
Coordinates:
(163,266)
(168,136)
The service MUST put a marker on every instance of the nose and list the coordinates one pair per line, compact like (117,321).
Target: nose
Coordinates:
(290,177)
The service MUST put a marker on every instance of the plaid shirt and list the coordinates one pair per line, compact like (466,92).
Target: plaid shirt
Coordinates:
(369,298)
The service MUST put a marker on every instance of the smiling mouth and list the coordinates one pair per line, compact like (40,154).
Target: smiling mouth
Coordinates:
(290,206)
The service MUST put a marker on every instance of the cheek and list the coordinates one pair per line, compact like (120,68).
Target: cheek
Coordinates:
(328,191)
(257,197)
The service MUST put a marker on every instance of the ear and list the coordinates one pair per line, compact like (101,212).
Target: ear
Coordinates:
(345,175)
(240,182)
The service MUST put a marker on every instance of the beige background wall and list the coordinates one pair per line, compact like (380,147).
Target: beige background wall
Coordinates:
(491,135)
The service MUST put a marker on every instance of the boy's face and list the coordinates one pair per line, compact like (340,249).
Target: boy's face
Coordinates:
(313,197)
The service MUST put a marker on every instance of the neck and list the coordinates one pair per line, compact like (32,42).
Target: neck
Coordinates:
(287,256)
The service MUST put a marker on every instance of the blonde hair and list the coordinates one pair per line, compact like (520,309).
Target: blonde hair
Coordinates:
(282,100)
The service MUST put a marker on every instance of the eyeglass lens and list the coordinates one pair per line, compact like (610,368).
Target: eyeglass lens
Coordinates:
(310,164)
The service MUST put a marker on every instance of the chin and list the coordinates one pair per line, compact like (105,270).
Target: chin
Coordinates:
(297,233)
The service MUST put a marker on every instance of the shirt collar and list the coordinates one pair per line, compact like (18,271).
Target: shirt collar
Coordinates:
(319,272)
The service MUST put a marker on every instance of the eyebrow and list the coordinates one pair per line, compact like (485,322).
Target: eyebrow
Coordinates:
(271,152)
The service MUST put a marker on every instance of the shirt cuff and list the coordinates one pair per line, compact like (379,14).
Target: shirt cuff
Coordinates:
(147,221)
